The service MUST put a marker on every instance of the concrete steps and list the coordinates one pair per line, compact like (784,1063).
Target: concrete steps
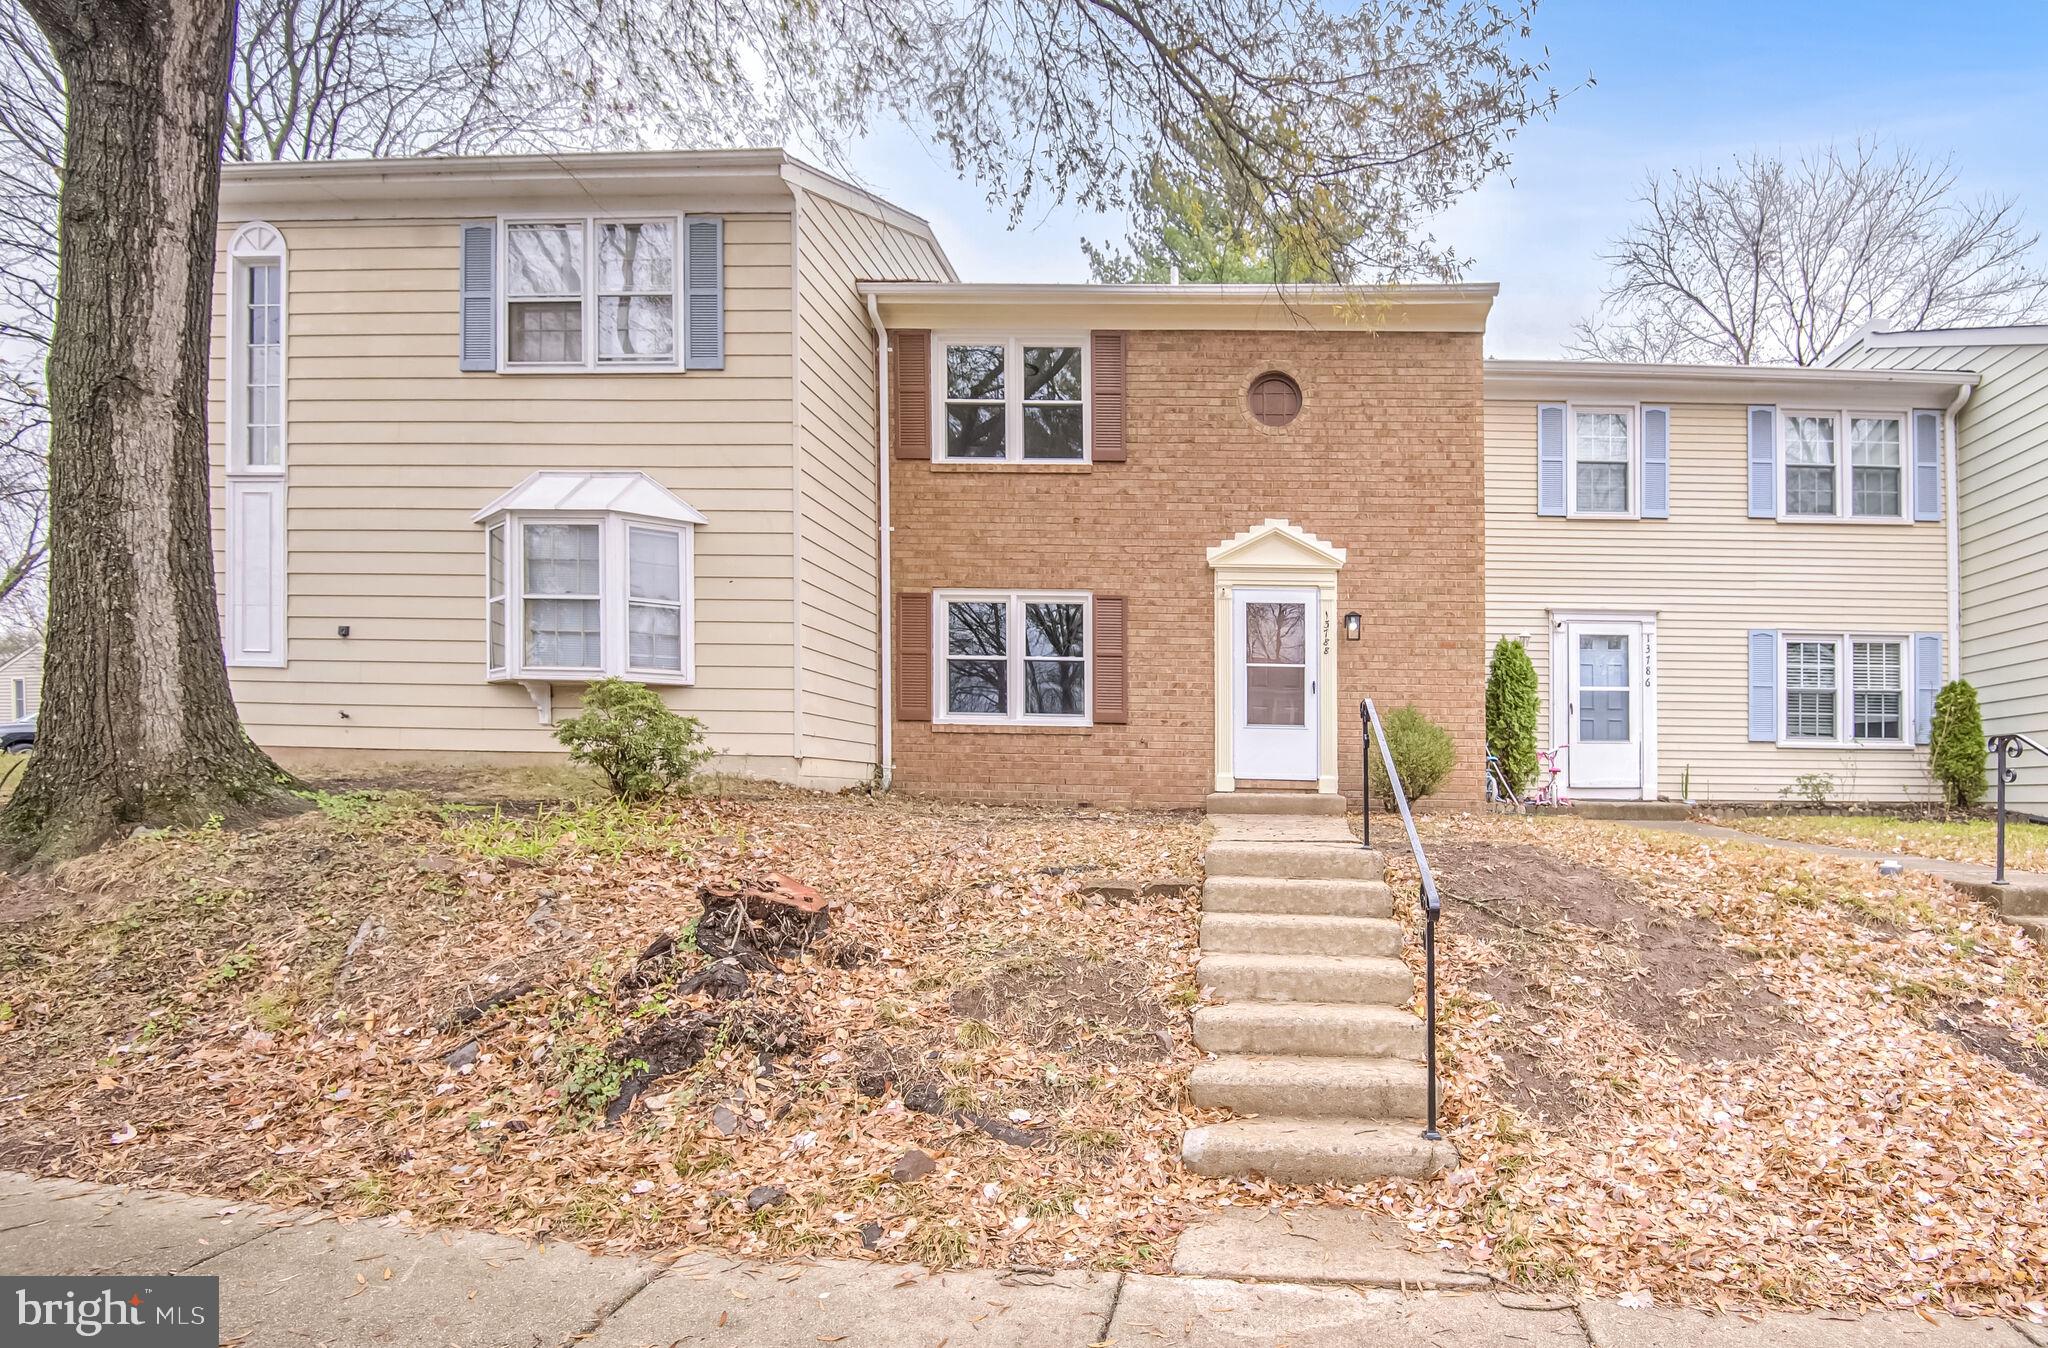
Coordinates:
(1306,978)
(1309,1029)
(1299,934)
(1308,898)
(1311,1040)
(1308,1088)
(1316,1151)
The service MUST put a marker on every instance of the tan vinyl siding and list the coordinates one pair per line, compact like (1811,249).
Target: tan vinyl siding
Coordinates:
(392,450)
(1709,574)
(2002,478)
(838,586)
(27,667)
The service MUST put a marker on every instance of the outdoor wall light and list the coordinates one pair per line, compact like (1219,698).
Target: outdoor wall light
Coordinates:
(1352,626)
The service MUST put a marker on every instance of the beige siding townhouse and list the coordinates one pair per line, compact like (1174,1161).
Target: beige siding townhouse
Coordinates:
(1728,579)
(21,684)
(486,429)
(1999,542)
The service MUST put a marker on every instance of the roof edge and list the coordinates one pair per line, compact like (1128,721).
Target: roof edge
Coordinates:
(1535,377)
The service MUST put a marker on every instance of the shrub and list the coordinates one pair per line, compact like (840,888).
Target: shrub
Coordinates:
(1511,713)
(628,733)
(1815,788)
(1423,755)
(1957,753)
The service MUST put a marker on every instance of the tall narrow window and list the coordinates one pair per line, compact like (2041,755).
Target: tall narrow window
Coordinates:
(544,294)
(1052,402)
(1809,464)
(1878,669)
(263,365)
(654,608)
(975,420)
(1810,690)
(563,596)
(636,292)
(977,658)
(495,594)
(1055,659)
(1601,454)
(1876,474)
(21,699)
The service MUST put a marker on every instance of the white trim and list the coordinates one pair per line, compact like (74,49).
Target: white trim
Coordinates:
(1606,381)
(613,598)
(256,243)
(1013,400)
(796,473)
(885,710)
(588,222)
(1631,415)
(1275,555)
(1560,684)
(2013,334)
(1845,688)
(1951,515)
(1014,655)
(1844,476)
(255,577)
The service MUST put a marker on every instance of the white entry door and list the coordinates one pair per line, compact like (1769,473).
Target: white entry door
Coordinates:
(1605,709)
(1275,664)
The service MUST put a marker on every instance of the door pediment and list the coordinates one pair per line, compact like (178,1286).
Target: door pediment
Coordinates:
(1276,546)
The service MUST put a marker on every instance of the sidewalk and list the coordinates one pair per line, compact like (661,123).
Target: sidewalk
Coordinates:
(304,1279)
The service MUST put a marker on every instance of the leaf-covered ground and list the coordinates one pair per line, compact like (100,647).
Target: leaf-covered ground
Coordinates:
(2026,845)
(1721,1074)
(385,1006)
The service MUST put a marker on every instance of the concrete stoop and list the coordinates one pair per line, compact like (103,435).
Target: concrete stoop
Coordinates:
(1313,1046)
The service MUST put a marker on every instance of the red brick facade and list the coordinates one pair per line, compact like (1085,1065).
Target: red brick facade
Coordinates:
(1384,460)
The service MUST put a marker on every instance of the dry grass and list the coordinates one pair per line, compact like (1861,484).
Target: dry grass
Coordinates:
(270,1014)
(1886,1142)
(2026,845)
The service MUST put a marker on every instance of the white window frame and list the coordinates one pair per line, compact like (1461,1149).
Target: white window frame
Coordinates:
(589,223)
(1845,690)
(614,600)
(1013,654)
(20,691)
(1631,415)
(1844,476)
(1013,345)
(255,244)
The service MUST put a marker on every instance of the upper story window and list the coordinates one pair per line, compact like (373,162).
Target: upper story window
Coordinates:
(256,322)
(1011,399)
(1009,656)
(590,292)
(588,575)
(1844,465)
(1603,461)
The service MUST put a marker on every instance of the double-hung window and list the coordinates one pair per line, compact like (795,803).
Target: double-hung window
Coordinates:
(1011,399)
(1603,461)
(1844,465)
(1013,656)
(1844,689)
(588,575)
(590,293)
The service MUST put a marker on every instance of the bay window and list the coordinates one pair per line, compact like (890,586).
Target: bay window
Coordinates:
(1013,656)
(588,575)
(1010,399)
(561,311)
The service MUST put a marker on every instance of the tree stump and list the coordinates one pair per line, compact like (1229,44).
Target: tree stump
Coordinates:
(757,924)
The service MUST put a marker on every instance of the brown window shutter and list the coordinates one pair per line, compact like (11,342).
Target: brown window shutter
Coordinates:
(1112,636)
(1107,389)
(910,372)
(913,655)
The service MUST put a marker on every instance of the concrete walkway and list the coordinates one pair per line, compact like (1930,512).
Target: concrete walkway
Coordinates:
(303,1279)
(2023,897)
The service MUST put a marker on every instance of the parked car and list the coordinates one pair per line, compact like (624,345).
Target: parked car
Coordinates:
(18,737)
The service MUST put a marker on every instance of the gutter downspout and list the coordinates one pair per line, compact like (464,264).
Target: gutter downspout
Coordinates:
(1954,517)
(796,479)
(885,713)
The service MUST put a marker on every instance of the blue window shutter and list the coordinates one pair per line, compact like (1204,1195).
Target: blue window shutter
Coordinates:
(1926,464)
(1763,464)
(1763,686)
(1926,683)
(480,296)
(1656,463)
(1550,459)
(704,293)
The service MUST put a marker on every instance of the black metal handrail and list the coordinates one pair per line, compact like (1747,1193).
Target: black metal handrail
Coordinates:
(1432,905)
(2008,746)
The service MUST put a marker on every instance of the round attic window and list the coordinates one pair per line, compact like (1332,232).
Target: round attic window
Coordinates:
(1275,399)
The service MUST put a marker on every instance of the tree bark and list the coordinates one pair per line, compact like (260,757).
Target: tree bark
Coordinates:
(137,725)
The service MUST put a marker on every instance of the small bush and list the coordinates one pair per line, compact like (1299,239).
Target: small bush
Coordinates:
(1957,753)
(1815,788)
(628,733)
(1423,754)
(1511,713)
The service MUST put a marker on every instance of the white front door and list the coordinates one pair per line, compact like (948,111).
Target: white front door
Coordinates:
(1604,711)
(1274,666)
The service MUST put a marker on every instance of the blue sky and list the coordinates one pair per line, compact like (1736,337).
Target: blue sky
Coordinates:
(1678,84)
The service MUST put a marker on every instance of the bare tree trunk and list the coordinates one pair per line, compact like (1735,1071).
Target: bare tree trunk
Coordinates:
(137,722)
